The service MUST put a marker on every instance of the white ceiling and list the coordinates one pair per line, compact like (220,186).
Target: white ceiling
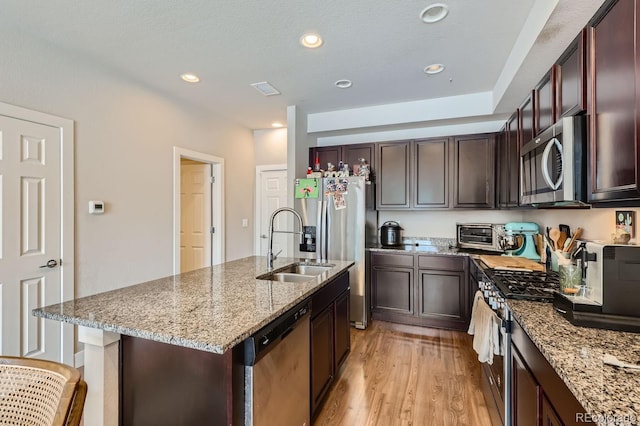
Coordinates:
(381,45)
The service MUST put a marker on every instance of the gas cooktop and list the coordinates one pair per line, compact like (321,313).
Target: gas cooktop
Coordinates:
(526,285)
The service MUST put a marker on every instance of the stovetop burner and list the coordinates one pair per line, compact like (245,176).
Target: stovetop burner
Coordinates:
(536,285)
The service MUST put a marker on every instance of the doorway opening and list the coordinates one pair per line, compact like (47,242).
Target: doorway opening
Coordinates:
(198,210)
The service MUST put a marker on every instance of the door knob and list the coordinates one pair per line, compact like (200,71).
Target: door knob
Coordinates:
(263,236)
(50,264)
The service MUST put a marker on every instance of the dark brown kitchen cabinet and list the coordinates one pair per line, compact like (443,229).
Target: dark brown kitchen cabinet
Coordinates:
(613,98)
(526,117)
(393,183)
(348,154)
(330,336)
(322,350)
(571,78)
(545,104)
(508,167)
(526,393)
(549,415)
(326,155)
(392,285)
(474,171)
(427,290)
(443,297)
(431,173)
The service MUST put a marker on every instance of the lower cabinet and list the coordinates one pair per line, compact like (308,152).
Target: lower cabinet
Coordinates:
(539,395)
(330,337)
(418,289)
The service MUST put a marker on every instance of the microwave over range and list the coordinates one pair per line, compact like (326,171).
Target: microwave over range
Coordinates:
(553,166)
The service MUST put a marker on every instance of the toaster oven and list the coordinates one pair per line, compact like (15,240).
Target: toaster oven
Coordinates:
(481,236)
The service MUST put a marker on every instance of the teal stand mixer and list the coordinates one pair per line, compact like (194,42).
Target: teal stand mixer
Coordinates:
(519,240)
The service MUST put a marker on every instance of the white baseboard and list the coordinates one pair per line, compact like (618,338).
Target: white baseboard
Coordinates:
(78,359)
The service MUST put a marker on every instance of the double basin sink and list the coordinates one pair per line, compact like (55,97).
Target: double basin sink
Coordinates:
(296,273)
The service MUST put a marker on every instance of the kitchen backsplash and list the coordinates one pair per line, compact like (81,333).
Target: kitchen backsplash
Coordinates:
(598,224)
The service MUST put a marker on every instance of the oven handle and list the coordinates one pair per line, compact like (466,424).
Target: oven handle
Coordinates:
(545,159)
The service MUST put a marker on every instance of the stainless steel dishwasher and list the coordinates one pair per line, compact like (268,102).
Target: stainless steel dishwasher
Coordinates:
(277,377)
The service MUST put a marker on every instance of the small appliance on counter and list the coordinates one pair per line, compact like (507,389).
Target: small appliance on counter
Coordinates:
(518,240)
(479,236)
(391,234)
(610,293)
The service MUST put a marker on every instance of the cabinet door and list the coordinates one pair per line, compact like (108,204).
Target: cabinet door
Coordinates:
(351,154)
(392,290)
(326,154)
(431,173)
(392,184)
(571,78)
(525,392)
(549,415)
(474,172)
(444,295)
(527,122)
(545,114)
(342,329)
(322,350)
(613,105)
(513,158)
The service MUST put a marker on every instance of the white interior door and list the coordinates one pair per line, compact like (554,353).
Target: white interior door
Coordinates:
(272,194)
(195,217)
(30,217)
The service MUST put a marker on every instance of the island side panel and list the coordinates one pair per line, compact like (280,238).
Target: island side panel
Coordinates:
(163,384)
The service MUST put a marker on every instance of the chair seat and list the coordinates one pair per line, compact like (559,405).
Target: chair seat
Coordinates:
(40,393)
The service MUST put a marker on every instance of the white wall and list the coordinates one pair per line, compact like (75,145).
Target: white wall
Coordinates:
(270,146)
(124,138)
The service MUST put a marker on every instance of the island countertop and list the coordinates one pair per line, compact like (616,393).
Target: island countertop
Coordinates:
(210,309)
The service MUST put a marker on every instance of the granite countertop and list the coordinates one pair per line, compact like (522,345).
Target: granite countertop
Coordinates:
(445,246)
(210,309)
(576,355)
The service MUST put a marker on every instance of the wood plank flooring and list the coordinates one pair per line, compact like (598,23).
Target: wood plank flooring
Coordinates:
(406,375)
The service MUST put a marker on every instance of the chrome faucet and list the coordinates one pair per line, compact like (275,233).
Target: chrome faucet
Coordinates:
(270,256)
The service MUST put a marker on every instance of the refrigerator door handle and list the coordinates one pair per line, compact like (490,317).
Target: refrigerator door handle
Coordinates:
(325,230)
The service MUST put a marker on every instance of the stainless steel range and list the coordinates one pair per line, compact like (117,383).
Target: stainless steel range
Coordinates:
(525,285)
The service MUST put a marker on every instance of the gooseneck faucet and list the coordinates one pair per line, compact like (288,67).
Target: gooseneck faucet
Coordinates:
(270,256)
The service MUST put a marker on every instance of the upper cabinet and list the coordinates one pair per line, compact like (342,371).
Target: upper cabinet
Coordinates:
(431,173)
(393,187)
(545,105)
(526,116)
(474,171)
(348,154)
(508,155)
(613,103)
(571,76)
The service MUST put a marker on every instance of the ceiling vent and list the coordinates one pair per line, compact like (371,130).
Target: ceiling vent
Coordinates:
(265,88)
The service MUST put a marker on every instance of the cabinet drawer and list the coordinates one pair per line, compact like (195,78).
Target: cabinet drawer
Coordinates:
(404,260)
(447,263)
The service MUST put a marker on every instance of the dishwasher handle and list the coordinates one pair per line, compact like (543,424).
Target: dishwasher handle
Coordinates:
(260,343)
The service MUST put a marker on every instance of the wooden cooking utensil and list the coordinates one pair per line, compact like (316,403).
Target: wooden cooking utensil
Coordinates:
(561,240)
(554,235)
(576,234)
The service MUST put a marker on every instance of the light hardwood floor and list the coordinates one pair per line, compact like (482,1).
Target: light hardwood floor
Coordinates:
(405,375)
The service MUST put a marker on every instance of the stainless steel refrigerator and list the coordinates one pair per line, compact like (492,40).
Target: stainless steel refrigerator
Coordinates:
(339,218)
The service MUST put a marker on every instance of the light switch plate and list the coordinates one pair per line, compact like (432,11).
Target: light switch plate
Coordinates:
(96,207)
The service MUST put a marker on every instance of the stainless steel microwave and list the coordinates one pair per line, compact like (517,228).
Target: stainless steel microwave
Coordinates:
(553,166)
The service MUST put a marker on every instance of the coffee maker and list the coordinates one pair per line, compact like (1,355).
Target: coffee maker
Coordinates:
(518,240)
(610,293)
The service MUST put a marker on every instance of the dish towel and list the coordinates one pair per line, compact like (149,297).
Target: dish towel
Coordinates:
(485,329)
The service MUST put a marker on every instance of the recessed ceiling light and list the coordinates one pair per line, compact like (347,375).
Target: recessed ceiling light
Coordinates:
(190,78)
(434,13)
(276,124)
(311,40)
(434,69)
(344,84)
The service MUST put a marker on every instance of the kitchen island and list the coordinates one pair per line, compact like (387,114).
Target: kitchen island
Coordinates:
(208,311)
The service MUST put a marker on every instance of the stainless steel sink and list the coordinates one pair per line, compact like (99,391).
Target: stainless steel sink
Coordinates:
(296,273)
